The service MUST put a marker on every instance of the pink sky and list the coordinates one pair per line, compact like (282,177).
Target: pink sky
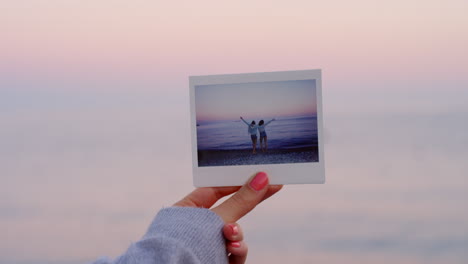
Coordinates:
(161,42)
(95,129)
(255,100)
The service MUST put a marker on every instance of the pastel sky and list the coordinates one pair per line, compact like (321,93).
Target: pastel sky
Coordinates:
(95,124)
(159,43)
(255,100)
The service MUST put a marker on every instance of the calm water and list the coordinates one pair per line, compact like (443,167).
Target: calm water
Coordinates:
(80,180)
(287,132)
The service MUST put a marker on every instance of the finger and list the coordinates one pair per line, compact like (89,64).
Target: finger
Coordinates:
(272,189)
(233,232)
(244,200)
(205,197)
(238,252)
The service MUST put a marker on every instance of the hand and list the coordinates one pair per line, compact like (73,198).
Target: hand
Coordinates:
(273,119)
(242,118)
(234,244)
(243,201)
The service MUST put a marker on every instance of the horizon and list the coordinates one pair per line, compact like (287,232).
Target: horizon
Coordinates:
(95,118)
(266,119)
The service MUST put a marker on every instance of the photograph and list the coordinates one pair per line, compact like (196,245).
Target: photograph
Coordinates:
(269,122)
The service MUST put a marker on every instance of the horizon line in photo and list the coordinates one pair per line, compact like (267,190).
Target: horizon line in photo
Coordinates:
(255,100)
(257,118)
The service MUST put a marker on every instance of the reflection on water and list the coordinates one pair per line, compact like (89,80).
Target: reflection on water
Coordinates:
(80,183)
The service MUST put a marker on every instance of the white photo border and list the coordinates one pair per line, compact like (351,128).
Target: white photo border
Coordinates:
(286,173)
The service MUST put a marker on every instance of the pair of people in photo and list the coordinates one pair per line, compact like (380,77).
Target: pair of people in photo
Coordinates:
(252,130)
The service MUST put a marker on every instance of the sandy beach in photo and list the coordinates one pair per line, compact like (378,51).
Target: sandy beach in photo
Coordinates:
(245,156)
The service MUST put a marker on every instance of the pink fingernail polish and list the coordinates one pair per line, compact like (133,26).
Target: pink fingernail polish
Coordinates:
(235,229)
(235,244)
(259,181)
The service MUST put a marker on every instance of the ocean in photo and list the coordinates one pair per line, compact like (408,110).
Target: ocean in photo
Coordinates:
(283,133)
(226,143)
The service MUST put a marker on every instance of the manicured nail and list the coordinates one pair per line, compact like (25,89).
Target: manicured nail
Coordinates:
(235,244)
(235,230)
(259,181)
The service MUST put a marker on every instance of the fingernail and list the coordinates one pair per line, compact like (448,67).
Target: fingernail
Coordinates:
(259,181)
(235,244)
(235,229)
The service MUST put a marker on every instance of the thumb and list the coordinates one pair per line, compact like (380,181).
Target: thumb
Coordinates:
(244,200)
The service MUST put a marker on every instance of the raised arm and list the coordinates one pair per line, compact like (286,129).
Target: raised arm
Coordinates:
(191,232)
(244,121)
(269,121)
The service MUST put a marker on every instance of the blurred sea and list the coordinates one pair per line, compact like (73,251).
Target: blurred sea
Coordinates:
(84,174)
(283,133)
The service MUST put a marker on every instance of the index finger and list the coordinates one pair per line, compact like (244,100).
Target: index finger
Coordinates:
(206,196)
(254,191)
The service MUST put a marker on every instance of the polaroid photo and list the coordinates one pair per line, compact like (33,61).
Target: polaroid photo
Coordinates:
(245,123)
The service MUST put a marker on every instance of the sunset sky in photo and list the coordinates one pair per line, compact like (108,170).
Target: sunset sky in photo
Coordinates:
(255,100)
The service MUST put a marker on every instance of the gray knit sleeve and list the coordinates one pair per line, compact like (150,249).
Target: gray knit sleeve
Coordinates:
(178,235)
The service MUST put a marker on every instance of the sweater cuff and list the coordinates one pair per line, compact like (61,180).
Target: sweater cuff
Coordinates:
(198,229)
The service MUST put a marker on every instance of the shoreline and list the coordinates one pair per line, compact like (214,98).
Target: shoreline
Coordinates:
(208,158)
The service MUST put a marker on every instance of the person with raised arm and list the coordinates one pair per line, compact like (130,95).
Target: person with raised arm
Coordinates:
(252,130)
(263,135)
